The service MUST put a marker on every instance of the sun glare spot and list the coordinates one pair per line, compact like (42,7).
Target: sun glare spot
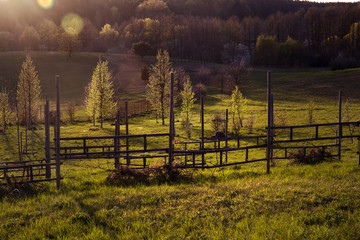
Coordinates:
(47,4)
(72,24)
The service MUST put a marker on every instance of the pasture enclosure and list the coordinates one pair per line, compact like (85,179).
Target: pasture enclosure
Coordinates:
(141,150)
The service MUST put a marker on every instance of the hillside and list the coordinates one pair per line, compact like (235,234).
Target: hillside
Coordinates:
(75,73)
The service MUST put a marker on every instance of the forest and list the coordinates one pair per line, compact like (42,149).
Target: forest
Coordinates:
(273,33)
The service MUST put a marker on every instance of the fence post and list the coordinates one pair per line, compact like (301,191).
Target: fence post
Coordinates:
(226,134)
(340,124)
(57,146)
(171,123)
(127,132)
(359,145)
(202,132)
(116,140)
(272,125)
(269,137)
(47,139)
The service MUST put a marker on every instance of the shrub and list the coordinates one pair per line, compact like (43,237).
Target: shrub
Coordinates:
(342,62)
(126,176)
(199,90)
(218,123)
(155,173)
(17,190)
(313,156)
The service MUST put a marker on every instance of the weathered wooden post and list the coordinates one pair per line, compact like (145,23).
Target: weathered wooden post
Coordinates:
(359,144)
(226,133)
(127,132)
(340,125)
(47,139)
(202,132)
(269,137)
(18,133)
(21,145)
(272,125)
(57,143)
(171,123)
(116,139)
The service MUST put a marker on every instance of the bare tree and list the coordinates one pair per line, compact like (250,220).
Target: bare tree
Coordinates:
(239,71)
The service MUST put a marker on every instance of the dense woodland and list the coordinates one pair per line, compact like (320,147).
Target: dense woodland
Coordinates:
(277,32)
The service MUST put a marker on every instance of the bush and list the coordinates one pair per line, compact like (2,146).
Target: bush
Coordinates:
(14,189)
(341,62)
(199,90)
(155,173)
(218,123)
(315,156)
(126,176)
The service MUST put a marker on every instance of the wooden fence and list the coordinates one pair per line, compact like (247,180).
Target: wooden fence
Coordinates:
(139,151)
(18,172)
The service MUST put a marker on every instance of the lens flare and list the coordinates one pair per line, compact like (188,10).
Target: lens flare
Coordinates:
(72,24)
(47,4)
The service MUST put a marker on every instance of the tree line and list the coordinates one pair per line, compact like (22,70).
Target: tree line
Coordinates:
(296,33)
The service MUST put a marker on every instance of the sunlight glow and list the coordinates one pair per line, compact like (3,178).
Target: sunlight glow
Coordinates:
(47,4)
(72,24)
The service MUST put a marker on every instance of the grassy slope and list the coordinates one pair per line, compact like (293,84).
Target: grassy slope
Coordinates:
(75,74)
(294,202)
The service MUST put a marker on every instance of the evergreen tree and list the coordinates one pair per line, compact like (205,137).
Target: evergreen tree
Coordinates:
(28,92)
(238,102)
(5,109)
(99,93)
(188,99)
(158,88)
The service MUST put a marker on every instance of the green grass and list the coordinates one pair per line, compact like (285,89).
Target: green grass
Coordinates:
(74,74)
(293,202)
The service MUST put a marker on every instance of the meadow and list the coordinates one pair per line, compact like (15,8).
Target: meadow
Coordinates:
(242,202)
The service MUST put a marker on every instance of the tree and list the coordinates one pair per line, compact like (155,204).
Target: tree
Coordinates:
(5,109)
(109,35)
(158,88)
(152,9)
(99,93)
(238,102)
(141,48)
(235,53)
(203,74)
(49,33)
(291,52)
(188,99)
(28,92)
(239,70)
(89,37)
(30,38)
(69,43)
(180,78)
(353,37)
(6,40)
(145,74)
(266,50)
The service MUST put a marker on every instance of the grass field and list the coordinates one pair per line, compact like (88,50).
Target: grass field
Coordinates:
(293,202)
